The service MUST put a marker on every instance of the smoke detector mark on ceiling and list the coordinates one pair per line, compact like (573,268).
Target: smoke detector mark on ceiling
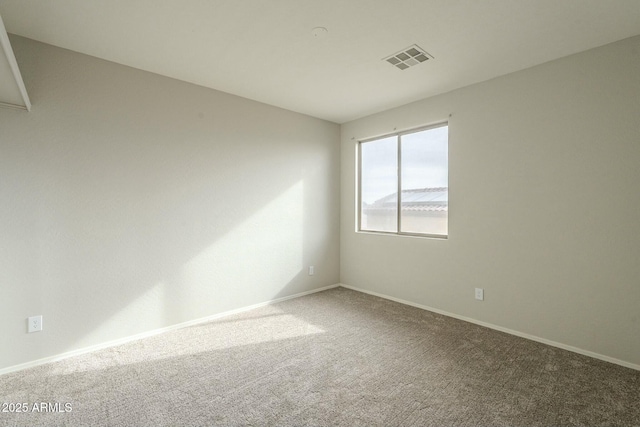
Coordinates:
(413,55)
(319,32)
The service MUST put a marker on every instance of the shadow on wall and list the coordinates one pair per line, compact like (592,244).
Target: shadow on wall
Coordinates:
(133,201)
(255,261)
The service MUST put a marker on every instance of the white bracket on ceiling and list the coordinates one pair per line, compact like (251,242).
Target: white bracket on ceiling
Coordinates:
(8,61)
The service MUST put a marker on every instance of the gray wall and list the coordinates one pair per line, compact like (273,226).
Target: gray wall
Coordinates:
(131,201)
(544,204)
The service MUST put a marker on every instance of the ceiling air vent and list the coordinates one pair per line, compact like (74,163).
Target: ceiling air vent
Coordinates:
(413,55)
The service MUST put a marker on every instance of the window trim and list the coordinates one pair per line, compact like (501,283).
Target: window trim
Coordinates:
(399,179)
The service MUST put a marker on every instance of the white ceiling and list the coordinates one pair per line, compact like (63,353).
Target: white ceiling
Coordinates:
(265,50)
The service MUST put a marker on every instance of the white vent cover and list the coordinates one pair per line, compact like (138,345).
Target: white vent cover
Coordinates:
(413,55)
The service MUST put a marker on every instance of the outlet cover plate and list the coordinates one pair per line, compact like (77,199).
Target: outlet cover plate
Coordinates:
(35,323)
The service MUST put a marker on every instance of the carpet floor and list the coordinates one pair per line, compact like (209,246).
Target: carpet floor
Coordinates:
(334,358)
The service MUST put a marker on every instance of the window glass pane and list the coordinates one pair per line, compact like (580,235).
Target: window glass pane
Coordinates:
(379,185)
(425,182)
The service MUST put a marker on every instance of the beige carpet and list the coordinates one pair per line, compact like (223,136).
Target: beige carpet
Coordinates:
(337,357)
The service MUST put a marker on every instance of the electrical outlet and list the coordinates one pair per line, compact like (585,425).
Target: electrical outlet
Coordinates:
(480,294)
(311,270)
(35,323)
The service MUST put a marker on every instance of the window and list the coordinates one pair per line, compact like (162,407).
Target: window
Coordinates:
(403,184)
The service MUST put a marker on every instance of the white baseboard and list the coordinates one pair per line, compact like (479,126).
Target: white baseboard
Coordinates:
(142,335)
(501,329)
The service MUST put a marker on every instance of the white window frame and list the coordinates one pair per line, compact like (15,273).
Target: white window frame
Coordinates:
(399,179)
